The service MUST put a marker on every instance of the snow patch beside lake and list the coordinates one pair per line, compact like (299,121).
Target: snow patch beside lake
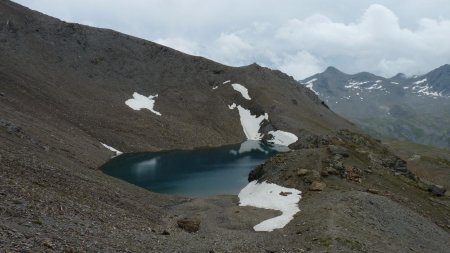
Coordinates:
(271,196)
(250,123)
(242,90)
(283,138)
(139,102)
(115,151)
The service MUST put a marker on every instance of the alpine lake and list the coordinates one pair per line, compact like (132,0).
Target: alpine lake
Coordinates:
(193,173)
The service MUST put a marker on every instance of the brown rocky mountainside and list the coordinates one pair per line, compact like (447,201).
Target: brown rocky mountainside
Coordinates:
(63,89)
(83,76)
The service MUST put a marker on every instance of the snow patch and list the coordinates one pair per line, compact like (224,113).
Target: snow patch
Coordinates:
(215,87)
(354,84)
(232,106)
(375,86)
(421,81)
(268,196)
(139,102)
(227,81)
(311,81)
(309,85)
(250,123)
(115,151)
(283,138)
(240,88)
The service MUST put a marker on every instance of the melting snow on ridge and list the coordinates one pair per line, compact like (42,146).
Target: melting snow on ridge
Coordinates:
(426,90)
(115,151)
(283,138)
(139,102)
(250,123)
(309,85)
(421,81)
(242,90)
(266,195)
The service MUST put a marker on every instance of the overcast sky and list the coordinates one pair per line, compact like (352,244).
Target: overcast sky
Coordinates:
(299,37)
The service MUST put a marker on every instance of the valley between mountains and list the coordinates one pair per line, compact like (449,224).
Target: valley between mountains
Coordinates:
(73,96)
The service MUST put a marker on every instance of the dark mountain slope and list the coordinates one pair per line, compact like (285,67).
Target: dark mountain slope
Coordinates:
(84,75)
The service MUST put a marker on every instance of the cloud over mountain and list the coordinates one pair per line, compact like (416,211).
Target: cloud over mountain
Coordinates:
(298,37)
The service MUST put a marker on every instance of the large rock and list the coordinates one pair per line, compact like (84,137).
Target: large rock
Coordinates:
(317,186)
(302,172)
(189,225)
(437,190)
(338,150)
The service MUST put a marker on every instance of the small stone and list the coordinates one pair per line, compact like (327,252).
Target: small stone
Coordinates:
(368,171)
(437,190)
(338,150)
(47,243)
(285,193)
(312,176)
(324,173)
(339,166)
(302,172)
(165,232)
(337,157)
(189,225)
(374,191)
(317,186)
(332,171)
(2,94)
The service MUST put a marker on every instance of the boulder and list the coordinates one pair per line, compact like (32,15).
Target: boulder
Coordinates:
(317,186)
(437,190)
(189,225)
(302,172)
(256,173)
(338,150)
(313,175)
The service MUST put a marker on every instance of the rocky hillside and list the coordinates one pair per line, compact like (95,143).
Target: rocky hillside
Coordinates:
(409,108)
(82,75)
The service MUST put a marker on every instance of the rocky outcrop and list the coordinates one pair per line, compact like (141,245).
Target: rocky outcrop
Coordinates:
(189,225)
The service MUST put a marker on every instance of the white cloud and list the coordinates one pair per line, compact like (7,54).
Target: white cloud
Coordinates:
(301,65)
(230,49)
(375,42)
(181,44)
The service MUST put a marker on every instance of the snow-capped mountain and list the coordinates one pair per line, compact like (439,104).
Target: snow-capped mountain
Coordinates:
(415,108)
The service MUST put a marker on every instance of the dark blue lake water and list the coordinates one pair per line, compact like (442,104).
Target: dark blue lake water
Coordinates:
(195,173)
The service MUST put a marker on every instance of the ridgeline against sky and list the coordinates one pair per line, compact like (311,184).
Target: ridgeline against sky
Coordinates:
(300,38)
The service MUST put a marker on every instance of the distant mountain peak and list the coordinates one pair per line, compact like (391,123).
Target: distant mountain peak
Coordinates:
(333,70)
(399,75)
(445,67)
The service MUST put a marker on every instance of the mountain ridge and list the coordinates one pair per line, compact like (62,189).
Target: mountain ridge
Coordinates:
(409,108)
